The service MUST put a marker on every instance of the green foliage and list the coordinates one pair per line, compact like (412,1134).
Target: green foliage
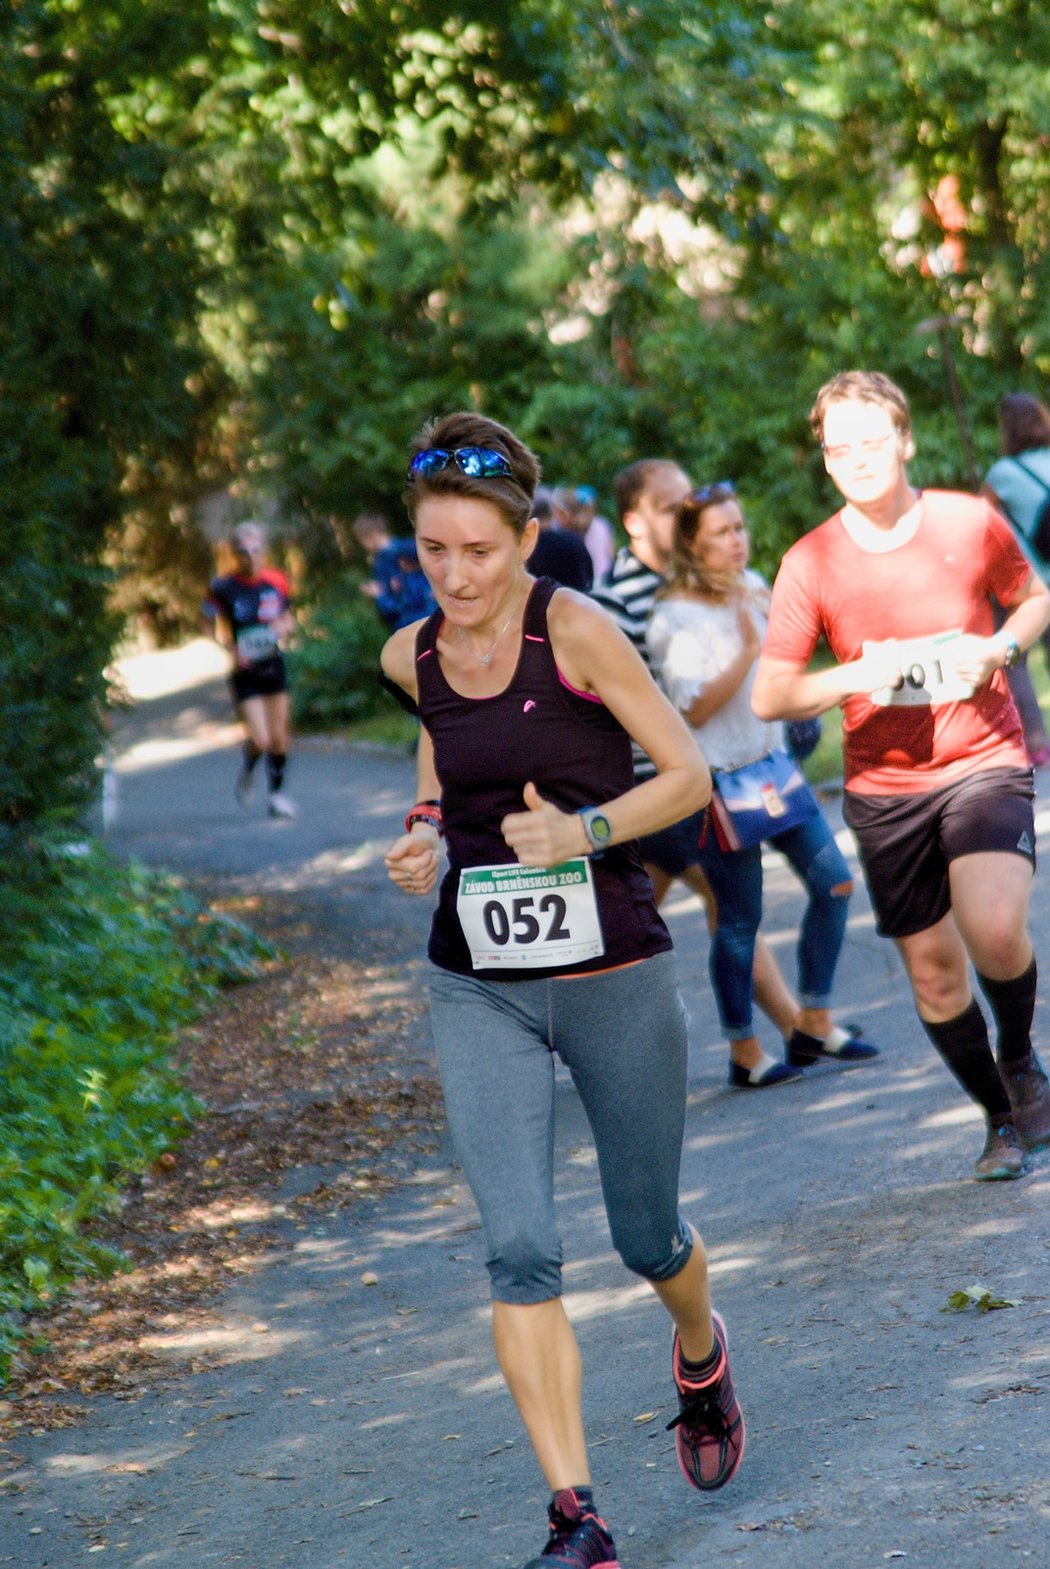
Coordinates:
(335,662)
(979,1297)
(397,323)
(97,299)
(258,243)
(103,965)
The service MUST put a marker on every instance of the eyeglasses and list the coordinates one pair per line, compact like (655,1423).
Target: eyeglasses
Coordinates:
(721,489)
(474,462)
(849,449)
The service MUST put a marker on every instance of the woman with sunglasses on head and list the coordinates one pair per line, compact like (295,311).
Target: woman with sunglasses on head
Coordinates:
(249,612)
(704,638)
(546,939)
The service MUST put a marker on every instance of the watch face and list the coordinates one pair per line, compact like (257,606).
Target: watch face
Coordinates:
(599,828)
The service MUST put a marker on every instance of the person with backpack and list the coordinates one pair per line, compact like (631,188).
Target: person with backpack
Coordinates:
(1018,486)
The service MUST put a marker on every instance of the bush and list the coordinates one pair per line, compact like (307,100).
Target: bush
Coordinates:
(103,964)
(334,668)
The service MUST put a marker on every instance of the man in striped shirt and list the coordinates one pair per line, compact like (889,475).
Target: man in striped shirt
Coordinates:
(648,495)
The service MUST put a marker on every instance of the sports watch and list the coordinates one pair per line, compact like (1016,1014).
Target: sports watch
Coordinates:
(596,826)
(1011,652)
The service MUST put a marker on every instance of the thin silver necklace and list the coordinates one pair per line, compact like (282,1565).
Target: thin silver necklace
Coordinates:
(486,657)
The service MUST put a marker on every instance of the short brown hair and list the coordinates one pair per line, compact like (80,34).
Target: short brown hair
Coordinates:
(632,482)
(511,495)
(861,386)
(1024,423)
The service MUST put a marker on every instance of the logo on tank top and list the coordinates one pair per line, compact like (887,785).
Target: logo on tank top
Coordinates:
(527,707)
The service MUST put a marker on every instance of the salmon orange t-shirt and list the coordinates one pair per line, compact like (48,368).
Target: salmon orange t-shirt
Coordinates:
(941,579)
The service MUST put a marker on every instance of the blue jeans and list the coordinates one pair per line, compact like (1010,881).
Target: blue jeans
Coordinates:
(736,878)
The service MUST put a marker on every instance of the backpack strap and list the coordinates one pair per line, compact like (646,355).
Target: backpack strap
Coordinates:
(1032,474)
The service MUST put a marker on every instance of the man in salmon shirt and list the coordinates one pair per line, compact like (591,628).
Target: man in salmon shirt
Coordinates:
(938,788)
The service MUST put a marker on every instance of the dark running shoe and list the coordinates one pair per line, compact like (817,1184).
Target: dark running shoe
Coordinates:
(709,1428)
(1002,1158)
(842,1045)
(1029,1092)
(763,1077)
(579,1538)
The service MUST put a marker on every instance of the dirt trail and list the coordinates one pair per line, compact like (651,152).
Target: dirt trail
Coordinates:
(347,1410)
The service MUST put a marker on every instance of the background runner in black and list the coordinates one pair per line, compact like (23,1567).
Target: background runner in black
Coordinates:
(248,612)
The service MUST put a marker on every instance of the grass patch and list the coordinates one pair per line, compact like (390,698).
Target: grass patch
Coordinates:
(394,729)
(103,965)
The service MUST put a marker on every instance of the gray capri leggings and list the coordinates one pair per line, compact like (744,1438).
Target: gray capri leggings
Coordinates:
(622,1035)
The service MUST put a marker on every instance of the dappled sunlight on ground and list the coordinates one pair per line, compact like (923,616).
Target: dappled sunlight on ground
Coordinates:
(142,1461)
(954,1116)
(173,749)
(160,672)
(247,1343)
(582,1305)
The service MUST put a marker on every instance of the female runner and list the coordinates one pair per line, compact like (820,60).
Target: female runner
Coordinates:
(546,939)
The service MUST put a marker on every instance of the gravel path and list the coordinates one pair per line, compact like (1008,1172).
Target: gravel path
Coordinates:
(356,1418)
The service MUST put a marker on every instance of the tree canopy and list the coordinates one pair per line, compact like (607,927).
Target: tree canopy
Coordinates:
(256,242)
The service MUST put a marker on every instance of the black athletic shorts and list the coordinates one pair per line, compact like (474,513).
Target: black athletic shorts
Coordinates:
(261,680)
(907,842)
(674,849)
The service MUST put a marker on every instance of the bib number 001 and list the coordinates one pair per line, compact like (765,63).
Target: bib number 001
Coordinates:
(523,917)
(928,674)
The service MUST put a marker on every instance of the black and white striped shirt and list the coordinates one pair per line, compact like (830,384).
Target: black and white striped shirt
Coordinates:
(627,594)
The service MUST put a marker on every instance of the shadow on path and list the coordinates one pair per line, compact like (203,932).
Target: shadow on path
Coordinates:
(358,1419)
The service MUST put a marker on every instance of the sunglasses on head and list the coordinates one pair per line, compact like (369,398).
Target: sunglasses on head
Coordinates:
(720,489)
(474,462)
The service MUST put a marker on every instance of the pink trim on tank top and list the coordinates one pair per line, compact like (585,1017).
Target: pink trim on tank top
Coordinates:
(591,697)
(530,637)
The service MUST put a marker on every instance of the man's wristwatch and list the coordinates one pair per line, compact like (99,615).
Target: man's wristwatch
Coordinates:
(596,826)
(1011,652)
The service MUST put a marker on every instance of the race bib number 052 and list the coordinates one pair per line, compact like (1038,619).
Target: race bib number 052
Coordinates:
(928,673)
(529,917)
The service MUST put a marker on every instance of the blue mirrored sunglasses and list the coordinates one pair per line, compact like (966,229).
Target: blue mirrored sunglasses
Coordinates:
(475,462)
(720,488)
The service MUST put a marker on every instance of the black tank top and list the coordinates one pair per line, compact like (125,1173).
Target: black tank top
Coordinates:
(574,750)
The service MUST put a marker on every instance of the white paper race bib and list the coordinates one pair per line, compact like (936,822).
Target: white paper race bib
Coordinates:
(529,917)
(928,674)
(256,642)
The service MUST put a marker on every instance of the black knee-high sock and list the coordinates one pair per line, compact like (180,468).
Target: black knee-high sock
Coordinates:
(252,755)
(275,762)
(1013,1004)
(964,1045)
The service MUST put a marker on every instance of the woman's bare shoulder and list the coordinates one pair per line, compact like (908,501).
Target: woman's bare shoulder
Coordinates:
(398,659)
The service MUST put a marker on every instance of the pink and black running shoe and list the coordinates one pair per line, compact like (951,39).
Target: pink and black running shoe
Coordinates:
(709,1428)
(579,1538)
